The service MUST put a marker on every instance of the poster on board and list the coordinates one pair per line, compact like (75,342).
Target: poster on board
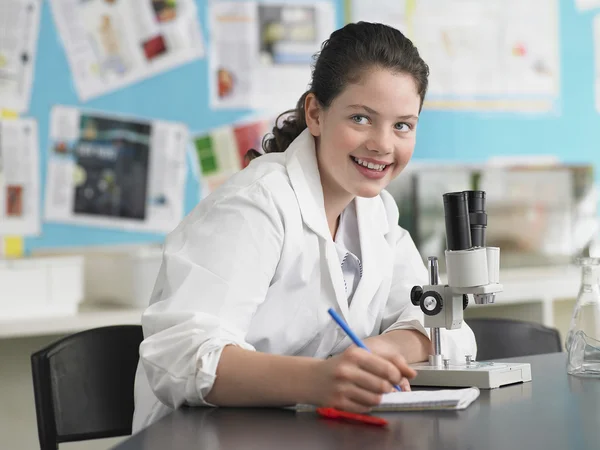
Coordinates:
(490,55)
(117,172)
(19,27)
(261,51)
(111,44)
(221,152)
(596,34)
(585,5)
(19,178)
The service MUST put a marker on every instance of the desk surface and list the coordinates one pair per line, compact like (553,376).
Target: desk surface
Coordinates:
(553,411)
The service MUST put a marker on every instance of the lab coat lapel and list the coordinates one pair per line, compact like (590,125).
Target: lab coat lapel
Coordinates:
(375,255)
(301,163)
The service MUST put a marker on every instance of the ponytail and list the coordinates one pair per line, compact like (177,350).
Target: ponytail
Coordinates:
(282,136)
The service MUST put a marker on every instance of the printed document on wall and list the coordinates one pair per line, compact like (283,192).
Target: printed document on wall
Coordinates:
(597,60)
(221,152)
(19,178)
(19,26)
(584,5)
(261,51)
(111,44)
(391,12)
(118,172)
(491,54)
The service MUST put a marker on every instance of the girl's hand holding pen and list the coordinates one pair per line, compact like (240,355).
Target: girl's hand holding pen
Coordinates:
(356,379)
(390,353)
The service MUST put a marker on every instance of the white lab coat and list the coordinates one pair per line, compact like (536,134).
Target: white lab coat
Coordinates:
(254,265)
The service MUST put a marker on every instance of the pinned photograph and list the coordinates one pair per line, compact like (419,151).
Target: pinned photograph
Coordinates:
(111,44)
(115,171)
(19,178)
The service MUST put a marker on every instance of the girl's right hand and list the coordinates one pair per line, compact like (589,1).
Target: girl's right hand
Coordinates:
(355,380)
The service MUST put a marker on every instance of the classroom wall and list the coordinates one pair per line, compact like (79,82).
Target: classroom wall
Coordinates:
(572,132)
(182,95)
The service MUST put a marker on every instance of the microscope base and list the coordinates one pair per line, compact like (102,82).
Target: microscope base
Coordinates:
(484,375)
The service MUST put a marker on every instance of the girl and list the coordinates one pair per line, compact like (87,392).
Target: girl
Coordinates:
(238,316)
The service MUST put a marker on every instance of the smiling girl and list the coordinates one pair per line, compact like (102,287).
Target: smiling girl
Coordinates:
(238,316)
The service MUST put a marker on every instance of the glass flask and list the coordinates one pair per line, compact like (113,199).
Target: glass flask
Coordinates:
(583,339)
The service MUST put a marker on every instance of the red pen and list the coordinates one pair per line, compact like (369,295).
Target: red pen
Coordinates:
(332,413)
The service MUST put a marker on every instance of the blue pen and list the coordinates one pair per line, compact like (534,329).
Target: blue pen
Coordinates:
(351,334)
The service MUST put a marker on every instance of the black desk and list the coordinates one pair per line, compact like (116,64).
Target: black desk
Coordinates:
(554,411)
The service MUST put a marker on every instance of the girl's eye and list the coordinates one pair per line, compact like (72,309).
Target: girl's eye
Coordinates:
(362,120)
(403,126)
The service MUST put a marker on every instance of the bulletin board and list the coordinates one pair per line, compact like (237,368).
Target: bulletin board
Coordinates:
(177,95)
(570,131)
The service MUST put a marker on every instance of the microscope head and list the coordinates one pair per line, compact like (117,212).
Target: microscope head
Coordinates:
(472,267)
(466,219)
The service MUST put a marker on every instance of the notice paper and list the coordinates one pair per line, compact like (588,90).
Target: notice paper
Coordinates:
(584,5)
(116,172)
(12,247)
(111,44)
(19,178)
(221,152)
(19,26)
(491,54)
(597,60)
(261,51)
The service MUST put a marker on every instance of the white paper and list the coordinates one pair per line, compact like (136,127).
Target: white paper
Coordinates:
(435,399)
(111,44)
(584,5)
(116,172)
(19,178)
(221,152)
(19,26)
(390,12)
(493,50)
(261,51)
(597,60)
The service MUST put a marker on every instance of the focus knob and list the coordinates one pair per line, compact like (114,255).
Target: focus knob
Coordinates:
(431,303)
(415,295)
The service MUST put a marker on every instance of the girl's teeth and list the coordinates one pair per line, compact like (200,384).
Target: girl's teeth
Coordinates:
(369,165)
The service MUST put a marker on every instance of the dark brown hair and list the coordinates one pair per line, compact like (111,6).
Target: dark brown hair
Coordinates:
(344,57)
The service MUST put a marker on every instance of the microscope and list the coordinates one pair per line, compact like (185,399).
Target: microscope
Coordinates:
(472,270)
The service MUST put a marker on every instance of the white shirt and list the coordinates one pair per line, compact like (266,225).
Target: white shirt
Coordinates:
(347,244)
(254,265)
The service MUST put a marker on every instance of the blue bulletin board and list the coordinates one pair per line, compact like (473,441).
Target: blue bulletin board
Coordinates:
(571,132)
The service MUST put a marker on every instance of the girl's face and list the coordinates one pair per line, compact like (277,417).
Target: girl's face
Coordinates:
(368,133)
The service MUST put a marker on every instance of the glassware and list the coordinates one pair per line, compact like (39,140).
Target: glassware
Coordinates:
(583,339)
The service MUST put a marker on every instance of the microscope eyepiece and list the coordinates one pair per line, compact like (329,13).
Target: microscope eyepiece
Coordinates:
(477,217)
(466,219)
(456,213)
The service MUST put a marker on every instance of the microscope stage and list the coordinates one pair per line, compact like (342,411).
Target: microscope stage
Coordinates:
(484,375)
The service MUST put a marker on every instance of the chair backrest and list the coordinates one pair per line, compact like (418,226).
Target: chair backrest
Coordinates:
(83,385)
(505,338)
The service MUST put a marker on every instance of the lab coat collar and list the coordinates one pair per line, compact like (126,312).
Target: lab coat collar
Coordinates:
(376,257)
(303,170)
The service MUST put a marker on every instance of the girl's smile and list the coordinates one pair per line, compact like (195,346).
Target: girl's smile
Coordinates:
(370,169)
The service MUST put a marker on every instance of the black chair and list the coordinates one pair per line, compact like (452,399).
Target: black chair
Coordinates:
(505,338)
(83,385)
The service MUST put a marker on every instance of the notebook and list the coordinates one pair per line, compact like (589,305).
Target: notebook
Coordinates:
(441,399)
(426,400)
